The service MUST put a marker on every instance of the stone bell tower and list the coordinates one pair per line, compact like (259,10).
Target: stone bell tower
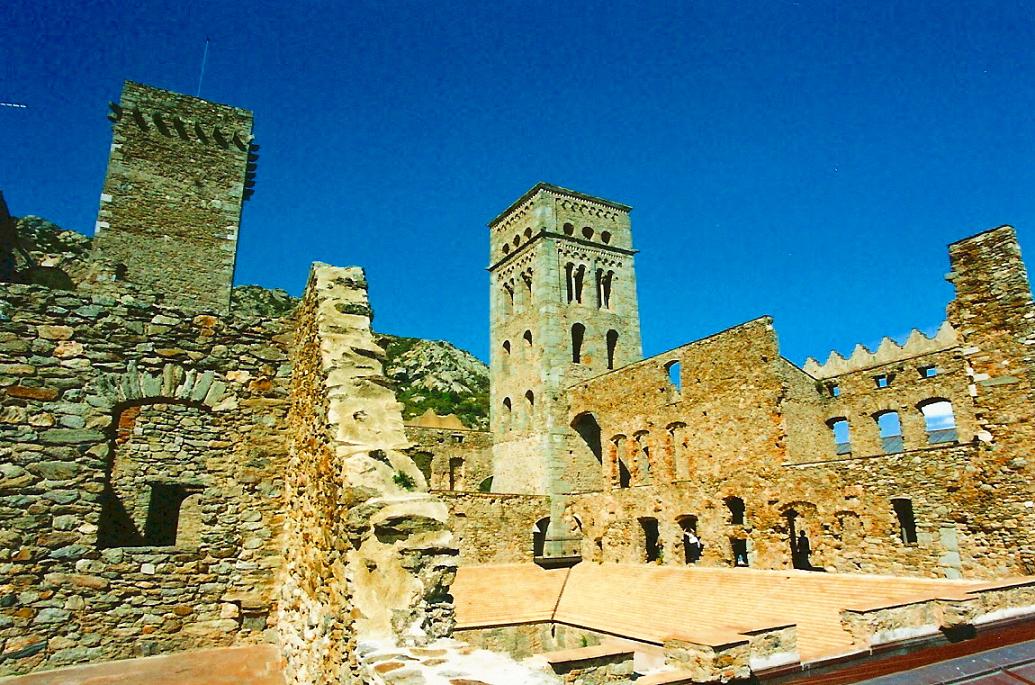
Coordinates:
(178,172)
(563,309)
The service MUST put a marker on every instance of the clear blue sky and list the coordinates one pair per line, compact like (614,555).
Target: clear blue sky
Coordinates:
(808,160)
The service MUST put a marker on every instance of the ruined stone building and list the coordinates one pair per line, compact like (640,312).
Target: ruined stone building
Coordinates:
(177,476)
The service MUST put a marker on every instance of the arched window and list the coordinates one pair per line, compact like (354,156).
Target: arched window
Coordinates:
(530,399)
(508,299)
(580,277)
(578,332)
(624,476)
(890,431)
(507,411)
(651,539)
(605,237)
(527,337)
(528,232)
(569,282)
(485,485)
(842,439)
(506,248)
(939,420)
(612,345)
(506,347)
(542,527)
(526,278)
(587,232)
(569,229)
(672,368)
(906,521)
(599,281)
(607,282)
(586,426)
(517,240)
(736,507)
(692,546)
(643,457)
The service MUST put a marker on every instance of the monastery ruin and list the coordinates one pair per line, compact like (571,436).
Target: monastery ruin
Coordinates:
(185,487)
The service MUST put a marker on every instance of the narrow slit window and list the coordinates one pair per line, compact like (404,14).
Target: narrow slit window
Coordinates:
(906,521)
(607,282)
(672,368)
(569,280)
(580,277)
(578,333)
(612,347)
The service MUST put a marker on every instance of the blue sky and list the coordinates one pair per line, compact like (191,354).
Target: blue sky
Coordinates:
(808,160)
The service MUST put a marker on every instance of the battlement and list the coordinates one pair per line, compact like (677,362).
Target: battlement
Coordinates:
(889,351)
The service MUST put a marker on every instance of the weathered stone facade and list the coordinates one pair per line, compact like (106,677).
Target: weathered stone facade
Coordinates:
(170,210)
(142,452)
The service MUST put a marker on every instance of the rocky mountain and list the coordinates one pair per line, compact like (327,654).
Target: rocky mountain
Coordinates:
(434,374)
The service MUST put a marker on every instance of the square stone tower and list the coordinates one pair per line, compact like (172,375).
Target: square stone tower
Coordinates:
(563,309)
(170,210)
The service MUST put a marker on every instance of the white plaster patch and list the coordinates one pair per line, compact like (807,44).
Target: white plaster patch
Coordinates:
(761,663)
(895,634)
(1000,614)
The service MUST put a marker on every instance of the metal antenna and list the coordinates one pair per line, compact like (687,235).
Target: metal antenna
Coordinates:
(204,60)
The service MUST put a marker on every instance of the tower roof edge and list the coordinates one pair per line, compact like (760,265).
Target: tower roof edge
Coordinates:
(542,185)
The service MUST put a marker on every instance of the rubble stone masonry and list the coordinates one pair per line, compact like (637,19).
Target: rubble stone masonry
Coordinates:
(141,476)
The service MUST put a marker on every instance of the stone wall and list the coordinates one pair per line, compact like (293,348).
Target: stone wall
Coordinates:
(125,423)
(743,423)
(495,528)
(452,458)
(170,210)
(369,552)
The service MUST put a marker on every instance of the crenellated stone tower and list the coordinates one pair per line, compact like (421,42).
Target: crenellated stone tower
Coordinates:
(563,309)
(179,170)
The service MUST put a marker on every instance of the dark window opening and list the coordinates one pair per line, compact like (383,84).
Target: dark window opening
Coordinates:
(506,346)
(740,551)
(527,337)
(835,390)
(890,432)
(457,438)
(605,237)
(624,476)
(569,276)
(527,280)
(599,281)
(569,229)
(608,280)
(530,398)
(801,547)
(882,380)
(651,538)
(163,513)
(612,346)
(528,232)
(736,507)
(906,521)
(928,371)
(578,333)
(456,471)
(587,232)
(485,485)
(692,545)
(539,536)
(580,277)
(508,299)
(589,430)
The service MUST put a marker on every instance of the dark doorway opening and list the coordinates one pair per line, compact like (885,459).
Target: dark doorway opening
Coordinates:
(651,539)
(692,545)
(740,551)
